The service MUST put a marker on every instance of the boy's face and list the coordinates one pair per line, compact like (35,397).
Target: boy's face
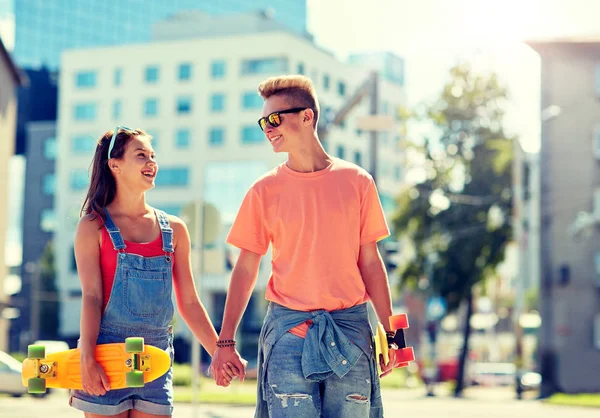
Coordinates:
(286,136)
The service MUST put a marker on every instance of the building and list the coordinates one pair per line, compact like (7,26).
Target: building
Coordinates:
(36,110)
(201,107)
(10,80)
(39,224)
(43,29)
(37,102)
(7,24)
(526,198)
(570,209)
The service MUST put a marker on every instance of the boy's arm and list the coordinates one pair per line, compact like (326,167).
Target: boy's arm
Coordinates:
(376,282)
(243,280)
(375,278)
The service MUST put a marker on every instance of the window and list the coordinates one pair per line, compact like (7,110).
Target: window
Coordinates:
(388,203)
(152,74)
(182,138)
(217,102)
(597,265)
(84,111)
(386,168)
(170,208)
(79,179)
(47,220)
(300,68)
(50,148)
(48,183)
(117,107)
(341,88)
(265,66)
(596,204)
(596,143)
(184,105)
(384,107)
(83,144)
(384,137)
(155,138)
(357,158)
(85,79)
(226,183)
(73,260)
(598,79)
(218,69)
(185,71)
(117,77)
(216,136)
(340,151)
(173,176)
(252,135)
(326,82)
(251,100)
(151,107)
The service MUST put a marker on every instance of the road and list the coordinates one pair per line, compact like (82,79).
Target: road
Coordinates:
(489,403)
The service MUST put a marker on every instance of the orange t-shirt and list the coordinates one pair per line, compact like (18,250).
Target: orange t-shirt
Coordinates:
(316,223)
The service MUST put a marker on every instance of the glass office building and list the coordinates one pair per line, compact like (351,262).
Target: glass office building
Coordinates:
(44,28)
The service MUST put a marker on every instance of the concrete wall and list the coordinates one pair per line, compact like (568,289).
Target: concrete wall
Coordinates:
(8,116)
(570,177)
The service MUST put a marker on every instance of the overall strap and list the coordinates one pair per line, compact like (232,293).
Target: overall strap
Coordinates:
(114,232)
(165,230)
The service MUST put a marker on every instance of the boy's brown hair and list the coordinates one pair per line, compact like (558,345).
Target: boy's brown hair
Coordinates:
(297,89)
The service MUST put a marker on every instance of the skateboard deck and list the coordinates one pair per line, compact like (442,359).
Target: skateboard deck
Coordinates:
(129,364)
(404,354)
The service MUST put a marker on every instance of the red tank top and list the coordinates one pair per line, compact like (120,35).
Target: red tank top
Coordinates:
(108,259)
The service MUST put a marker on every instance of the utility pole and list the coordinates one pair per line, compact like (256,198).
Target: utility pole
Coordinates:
(374,95)
(33,268)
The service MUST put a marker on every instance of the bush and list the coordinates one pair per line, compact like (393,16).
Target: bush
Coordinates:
(182,374)
(19,356)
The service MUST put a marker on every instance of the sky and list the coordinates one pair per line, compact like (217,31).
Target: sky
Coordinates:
(432,35)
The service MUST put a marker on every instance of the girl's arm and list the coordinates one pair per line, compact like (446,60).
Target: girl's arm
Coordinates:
(191,309)
(87,256)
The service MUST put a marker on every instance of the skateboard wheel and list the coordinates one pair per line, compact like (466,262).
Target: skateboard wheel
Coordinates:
(36,385)
(405,355)
(399,321)
(135,379)
(36,352)
(134,345)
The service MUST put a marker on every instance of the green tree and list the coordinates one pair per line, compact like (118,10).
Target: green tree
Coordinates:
(454,223)
(49,301)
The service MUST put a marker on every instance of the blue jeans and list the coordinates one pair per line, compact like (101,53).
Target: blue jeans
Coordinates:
(290,394)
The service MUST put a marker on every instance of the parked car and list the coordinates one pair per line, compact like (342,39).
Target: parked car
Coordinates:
(53,346)
(10,376)
(530,381)
(493,374)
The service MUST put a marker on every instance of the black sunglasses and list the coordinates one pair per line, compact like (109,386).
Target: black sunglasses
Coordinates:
(274,120)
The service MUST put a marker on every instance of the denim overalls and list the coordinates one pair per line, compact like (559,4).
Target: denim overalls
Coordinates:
(140,305)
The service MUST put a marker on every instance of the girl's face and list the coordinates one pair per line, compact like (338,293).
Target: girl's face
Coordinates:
(137,169)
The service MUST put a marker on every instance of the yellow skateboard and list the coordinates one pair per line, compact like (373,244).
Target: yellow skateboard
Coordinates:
(129,364)
(404,354)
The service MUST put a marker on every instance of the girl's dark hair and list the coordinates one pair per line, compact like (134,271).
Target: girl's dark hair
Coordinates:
(103,187)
